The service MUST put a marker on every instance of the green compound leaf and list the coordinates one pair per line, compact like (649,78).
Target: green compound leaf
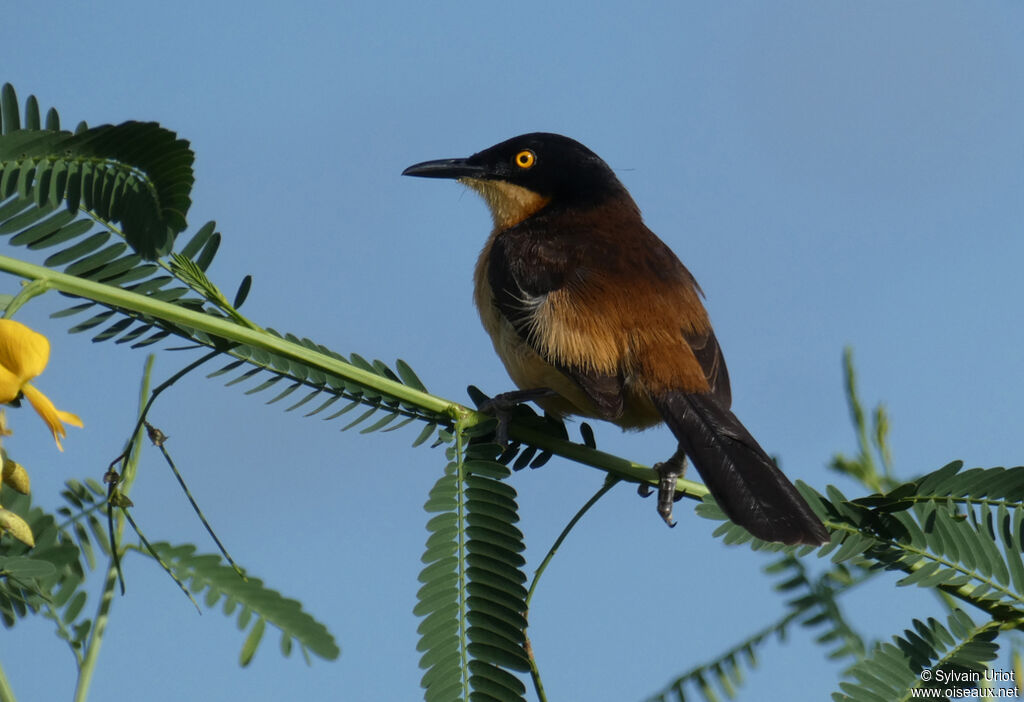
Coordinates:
(929,657)
(472,601)
(259,604)
(136,174)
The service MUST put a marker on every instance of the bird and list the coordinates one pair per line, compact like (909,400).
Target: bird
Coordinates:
(593,315)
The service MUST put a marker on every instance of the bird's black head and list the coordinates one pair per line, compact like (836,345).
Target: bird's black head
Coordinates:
(525,173)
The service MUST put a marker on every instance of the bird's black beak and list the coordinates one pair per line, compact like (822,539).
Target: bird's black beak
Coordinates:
(446,168)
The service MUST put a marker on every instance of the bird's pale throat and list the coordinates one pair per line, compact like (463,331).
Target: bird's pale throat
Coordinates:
(509,204)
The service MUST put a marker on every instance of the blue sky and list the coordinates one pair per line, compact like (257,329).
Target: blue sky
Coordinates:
(832,173)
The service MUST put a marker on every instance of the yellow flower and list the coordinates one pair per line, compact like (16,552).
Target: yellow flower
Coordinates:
(23,355)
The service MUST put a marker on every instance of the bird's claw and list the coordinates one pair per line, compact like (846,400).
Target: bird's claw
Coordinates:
(503,404)
(644,490)
(668,473)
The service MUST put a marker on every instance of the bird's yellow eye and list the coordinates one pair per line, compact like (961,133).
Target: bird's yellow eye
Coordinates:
(525,159)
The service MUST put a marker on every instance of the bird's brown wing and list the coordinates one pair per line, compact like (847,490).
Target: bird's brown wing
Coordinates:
(530,281)
(605,314)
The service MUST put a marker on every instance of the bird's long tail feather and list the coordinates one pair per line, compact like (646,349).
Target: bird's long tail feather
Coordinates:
(742,478)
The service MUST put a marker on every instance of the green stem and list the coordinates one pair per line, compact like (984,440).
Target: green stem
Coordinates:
(156,557)
(137,431)
(226,329)
(199,512)
(608,485)
(616,466)
(6,693)
(92,651)
(99,628)
(538,685)
(27,292)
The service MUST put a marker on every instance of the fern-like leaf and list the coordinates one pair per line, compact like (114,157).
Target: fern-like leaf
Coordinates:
(259,605)
(725,670)
(957,531)
(388,413)
(949,529)
(954,656)
(812,603)
(137,174)
(472,600)
(815,601)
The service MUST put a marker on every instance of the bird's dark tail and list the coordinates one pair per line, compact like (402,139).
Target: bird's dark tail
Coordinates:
(745,482)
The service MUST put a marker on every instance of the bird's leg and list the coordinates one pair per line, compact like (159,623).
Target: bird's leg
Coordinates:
(669,471)
(502,405)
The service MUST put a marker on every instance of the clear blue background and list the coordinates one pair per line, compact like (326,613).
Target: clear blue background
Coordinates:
(833,173)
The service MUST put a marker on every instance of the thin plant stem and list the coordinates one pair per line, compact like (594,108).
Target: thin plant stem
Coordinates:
(156,557)
(195,505)
(6,693)
(129,452)
(609,483)
(92,650)
(137,431)
(99,628)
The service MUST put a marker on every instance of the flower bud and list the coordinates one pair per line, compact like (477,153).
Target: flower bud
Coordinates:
(15,475)
(17,527)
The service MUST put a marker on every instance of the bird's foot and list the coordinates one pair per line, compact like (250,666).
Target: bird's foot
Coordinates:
(668,472)
(503,404)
